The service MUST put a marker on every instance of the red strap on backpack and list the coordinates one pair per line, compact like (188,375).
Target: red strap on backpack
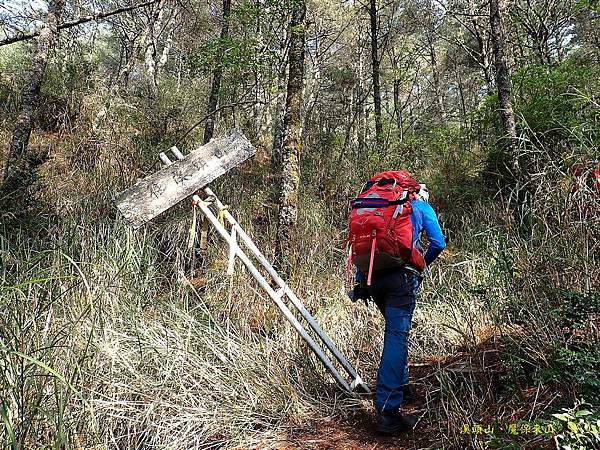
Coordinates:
(349,266)
(372,258)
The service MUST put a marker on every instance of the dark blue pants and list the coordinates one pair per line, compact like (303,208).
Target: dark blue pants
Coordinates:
(394,292)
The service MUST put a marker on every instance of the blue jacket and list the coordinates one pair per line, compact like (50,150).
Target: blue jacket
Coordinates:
(423,218)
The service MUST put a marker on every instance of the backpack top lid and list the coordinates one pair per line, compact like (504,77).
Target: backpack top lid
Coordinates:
(401,177)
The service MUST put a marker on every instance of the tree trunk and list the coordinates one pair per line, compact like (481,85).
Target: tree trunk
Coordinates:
(215,89)
(522,210)
(485,58)
(361,95)
(398,107)
(507,116)
(439,98)
(292,135)
(277,130)
(376,82)
(276,158)
(30,95)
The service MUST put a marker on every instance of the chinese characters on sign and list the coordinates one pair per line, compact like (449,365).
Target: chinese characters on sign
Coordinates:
(156,190)
(514,428)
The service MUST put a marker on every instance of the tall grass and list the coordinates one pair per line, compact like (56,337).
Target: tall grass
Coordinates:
(104,343)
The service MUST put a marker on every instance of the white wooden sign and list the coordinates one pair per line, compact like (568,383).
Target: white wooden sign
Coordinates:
(164,189)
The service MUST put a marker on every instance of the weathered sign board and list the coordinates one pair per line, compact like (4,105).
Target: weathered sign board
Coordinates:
(167,187)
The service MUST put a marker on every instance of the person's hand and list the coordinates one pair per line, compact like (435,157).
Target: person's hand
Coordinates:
(359,292)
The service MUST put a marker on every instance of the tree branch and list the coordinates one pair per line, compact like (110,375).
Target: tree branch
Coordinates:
(220,108)
(79,21)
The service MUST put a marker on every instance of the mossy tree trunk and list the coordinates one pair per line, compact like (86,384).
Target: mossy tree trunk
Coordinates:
(30,95)
(507,116)
(292,134)
(517,162)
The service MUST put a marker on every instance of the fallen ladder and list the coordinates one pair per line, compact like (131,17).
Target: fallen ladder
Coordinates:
(279,294)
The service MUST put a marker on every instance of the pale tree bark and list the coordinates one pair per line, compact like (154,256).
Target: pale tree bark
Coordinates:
(215,88)
(153,27)
(30,95)
(292,135)
(507,116)
(522,210)
(160,22)
(276,158)
(375,63)
(484,57)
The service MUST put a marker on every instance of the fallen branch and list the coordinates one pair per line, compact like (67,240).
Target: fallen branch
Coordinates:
(79,21)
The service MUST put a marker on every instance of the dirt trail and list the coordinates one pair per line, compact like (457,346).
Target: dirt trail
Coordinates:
(480,370)
(356,433)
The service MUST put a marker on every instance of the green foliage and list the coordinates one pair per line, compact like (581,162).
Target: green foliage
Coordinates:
(445,159)
(226,53)
(14,62)
(551,102)
(591,4)
(579,308)
(555,109)
(581,427)
(578,359)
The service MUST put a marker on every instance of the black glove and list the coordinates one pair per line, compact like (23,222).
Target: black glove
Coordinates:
(359,292)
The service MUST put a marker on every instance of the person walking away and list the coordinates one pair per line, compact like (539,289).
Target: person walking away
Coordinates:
(386,224)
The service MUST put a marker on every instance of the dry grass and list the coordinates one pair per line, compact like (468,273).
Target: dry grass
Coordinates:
(104,344)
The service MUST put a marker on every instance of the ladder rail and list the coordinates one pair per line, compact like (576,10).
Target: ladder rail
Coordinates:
(282,306)
(276,296)
(290,293)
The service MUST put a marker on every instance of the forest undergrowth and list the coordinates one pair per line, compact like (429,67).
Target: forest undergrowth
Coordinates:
(113,338)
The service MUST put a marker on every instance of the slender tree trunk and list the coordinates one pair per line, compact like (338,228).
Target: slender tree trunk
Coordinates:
(257,109)
(313,96)
(292,135)
(153,28)
(507,116)
(361,113)
(276,158)
(436,80)
(522,210)
(461,94)
(485,58)
(376,83)
(398,106)
(30,95)
(215,89)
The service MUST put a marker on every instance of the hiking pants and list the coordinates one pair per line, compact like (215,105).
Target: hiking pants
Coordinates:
(394,292)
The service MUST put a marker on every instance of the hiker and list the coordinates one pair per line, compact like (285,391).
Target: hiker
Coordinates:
(386,223)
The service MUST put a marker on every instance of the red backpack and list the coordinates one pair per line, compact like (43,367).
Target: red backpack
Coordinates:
(381,232)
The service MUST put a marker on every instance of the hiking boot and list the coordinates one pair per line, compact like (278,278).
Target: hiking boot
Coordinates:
(393,422)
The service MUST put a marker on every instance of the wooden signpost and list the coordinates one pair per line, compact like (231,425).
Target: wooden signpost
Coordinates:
(182,178)
(189,174)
